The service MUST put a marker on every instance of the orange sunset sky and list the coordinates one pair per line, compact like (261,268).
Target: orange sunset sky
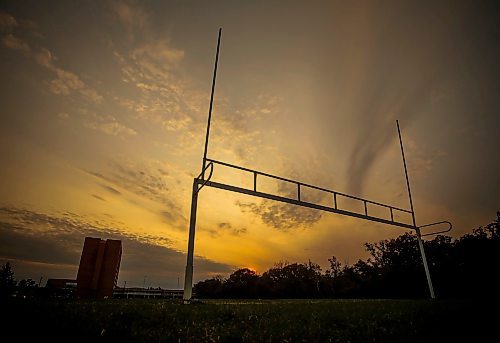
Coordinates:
(104,104)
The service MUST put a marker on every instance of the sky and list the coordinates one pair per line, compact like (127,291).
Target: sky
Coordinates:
(103,108)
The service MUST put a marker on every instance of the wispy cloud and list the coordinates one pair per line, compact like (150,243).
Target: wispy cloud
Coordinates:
(421,161)
(223,229)
(14,43)
(109,188)
(109,125)
(281,216)
(66,82)
(150,56)
(227,227)
(67,224)
(153,69)
(98,197)
(147,180)
(286,217)
(7,22)
(129,15)
(168,99)
(378,113)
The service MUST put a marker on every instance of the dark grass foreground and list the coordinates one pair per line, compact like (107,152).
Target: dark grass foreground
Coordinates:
(251,321)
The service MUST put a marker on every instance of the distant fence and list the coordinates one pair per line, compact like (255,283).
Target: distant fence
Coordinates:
(136,292)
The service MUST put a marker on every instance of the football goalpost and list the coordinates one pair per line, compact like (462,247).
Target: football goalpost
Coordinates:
(203,180)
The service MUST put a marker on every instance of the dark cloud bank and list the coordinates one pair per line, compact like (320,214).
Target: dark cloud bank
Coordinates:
(50,246)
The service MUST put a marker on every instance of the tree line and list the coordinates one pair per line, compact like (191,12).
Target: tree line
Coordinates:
(464,267)
(9,285)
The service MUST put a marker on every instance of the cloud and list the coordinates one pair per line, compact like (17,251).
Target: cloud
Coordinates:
(111,190)
(67,224)
(108,125)
(282,216)
(421,161)
(98,197)
(66,82)
(167,99)
(224,226)
(7,22)
(227,227)
(63,115)
(163,98)
(147,180)
(21,244)
(159,51)
(46,241)
(15,43)
(168,216)
(378,113)
(129,15)
(44,57)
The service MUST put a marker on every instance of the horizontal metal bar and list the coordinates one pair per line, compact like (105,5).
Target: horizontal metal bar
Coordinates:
(305,185)
(303,203)
(251,170)
(450,226)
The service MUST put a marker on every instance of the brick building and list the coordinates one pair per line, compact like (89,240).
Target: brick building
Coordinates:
(99,267)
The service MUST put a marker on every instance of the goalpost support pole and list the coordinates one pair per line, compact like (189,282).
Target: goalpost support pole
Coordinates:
(188,277)
(417,229)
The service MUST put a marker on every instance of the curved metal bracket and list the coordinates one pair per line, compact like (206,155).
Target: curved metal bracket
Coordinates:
(211,165)
(437,232)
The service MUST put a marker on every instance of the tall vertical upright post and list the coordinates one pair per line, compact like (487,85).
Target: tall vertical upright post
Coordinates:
(419,236)
(188,277)
(211,106)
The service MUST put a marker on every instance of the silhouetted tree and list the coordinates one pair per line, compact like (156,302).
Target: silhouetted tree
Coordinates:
(476,260)
(293,280)
(7,282)
(397,268)
(26,283)
(26,288)
(335,267)
(210,288)
(242,284)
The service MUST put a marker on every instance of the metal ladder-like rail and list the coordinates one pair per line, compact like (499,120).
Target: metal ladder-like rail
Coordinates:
(336,196)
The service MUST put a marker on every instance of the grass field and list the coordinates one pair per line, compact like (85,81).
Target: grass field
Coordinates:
(251,321)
